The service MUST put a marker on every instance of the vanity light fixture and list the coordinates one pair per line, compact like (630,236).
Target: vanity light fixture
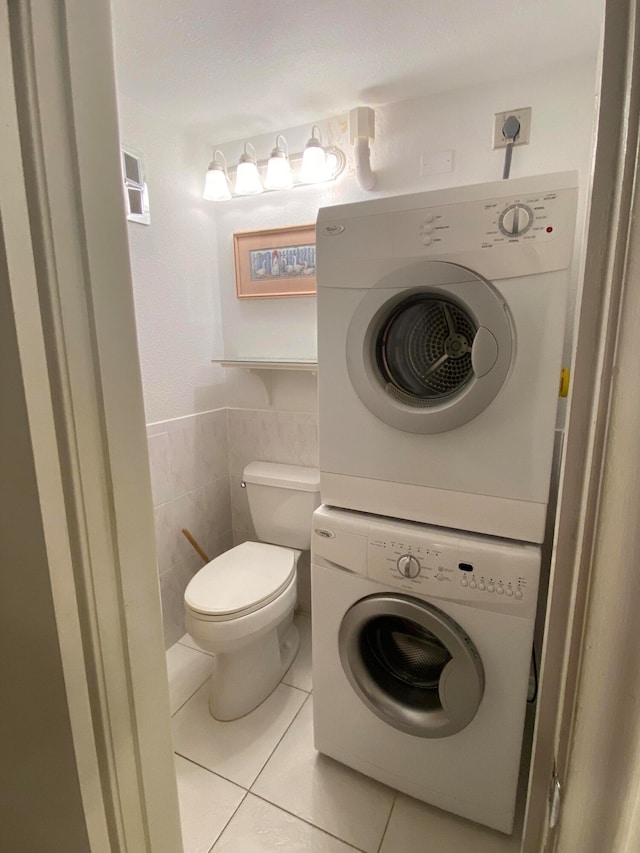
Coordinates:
(316,164)
(279,174)
(216,183)
(314,160)
(247,176)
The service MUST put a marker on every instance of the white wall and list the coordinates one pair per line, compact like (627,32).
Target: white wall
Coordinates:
(563,102)
(174,270)
(183,265)
(187,309)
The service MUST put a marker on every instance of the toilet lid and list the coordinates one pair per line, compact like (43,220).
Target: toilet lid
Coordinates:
(241,580)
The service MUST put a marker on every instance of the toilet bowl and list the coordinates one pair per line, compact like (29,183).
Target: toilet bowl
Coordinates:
(239,607)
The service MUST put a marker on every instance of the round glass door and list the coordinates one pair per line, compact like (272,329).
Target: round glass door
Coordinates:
(411,664)
(423,350)
(429,347)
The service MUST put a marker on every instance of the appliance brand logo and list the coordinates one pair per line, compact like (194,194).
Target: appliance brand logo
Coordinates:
(325,533)
(332,230)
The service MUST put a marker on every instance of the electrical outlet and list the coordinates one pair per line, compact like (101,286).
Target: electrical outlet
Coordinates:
(524,117)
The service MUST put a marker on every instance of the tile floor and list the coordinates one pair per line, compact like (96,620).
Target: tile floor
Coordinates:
(257,784)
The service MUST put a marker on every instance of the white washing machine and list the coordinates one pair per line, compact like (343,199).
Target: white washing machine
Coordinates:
(441,321)
(421,652)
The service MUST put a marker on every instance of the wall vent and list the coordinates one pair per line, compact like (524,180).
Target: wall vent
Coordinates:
(136,195)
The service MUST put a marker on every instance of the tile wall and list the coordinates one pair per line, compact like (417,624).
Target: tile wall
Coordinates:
(190,484)
(196,471)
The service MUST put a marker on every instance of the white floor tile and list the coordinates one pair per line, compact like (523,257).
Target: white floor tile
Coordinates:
(186,640)
(187,670)
(322,791)
(299,673)
(413,822)
(237,750)
(258,827)
(207,802)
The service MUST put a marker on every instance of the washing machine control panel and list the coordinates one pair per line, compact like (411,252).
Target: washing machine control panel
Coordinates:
(411,564)
(480,573)
(408,566)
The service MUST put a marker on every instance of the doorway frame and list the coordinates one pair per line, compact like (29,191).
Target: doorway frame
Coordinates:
(67,175)
(70,282)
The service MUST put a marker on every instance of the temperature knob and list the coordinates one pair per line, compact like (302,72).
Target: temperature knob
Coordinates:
(515,220)
(408,566)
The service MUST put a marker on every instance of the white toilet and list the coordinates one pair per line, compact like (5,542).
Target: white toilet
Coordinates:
(240,605)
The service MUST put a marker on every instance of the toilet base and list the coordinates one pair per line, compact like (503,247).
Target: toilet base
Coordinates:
(243,679)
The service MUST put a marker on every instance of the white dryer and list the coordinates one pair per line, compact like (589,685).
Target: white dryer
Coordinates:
(421,649)
(441,322)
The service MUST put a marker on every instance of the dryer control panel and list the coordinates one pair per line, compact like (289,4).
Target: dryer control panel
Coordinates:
(505,229)
(488,224)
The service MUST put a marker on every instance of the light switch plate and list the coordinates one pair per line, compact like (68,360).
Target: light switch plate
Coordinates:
(524,117)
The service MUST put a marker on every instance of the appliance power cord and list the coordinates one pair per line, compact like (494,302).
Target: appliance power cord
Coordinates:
(510,131)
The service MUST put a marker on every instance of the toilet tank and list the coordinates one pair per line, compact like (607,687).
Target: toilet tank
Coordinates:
(282,499)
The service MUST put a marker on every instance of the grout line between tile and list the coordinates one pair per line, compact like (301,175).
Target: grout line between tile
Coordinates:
(308,822)
(195,488)
(306,697)
(386,826)
(295,687)
(209,770)
(220,834)
(191,695)
(270,411)
(154,424)
(219,775)
(187,646)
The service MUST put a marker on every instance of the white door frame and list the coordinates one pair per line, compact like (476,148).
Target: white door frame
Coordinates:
(66,242)
(584,508)
(83,354)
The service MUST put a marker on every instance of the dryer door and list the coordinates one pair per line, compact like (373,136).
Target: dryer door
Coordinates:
(411,664)
(429,347)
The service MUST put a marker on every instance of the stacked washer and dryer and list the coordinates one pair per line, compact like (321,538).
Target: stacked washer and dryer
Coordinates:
(441,322)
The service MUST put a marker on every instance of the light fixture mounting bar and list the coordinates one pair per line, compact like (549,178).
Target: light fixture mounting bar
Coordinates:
(296,159)
(336,154)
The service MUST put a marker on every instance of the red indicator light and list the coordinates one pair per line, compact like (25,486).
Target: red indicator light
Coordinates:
(549,229)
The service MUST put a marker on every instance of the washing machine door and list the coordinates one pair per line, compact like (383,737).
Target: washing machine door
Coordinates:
(411,664)
(429,347)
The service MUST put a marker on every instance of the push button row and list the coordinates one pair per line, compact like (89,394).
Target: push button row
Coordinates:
(426,229)
(499,589)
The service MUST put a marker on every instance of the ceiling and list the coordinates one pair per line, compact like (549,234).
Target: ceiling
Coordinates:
(228,70)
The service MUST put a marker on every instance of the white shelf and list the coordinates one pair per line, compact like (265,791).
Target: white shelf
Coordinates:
(264,367)
(268,364)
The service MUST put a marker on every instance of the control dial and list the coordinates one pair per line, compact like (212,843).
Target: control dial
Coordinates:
(408,566)
(515,220)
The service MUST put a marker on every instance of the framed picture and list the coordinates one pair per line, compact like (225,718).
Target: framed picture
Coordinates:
(277,262)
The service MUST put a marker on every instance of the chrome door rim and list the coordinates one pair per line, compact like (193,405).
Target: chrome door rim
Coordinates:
(440,712)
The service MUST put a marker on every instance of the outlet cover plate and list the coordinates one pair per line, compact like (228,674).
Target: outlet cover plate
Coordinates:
(436,163)
(524,117)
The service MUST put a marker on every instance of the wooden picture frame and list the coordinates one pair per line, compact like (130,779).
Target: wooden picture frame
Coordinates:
(275,262)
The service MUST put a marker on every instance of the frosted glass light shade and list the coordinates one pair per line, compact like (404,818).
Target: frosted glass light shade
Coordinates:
(279,175)
(216,186)
(314,165)
(248,179)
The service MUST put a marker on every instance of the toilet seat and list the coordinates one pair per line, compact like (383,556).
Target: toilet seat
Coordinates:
(240,581)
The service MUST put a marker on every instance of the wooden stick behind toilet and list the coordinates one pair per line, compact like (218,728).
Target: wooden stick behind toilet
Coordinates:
(195,545)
